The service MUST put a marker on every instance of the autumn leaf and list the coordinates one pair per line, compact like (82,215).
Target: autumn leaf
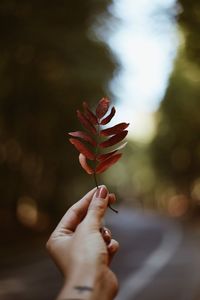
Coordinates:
(92,142)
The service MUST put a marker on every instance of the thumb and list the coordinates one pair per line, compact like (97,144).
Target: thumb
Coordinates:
(97,207)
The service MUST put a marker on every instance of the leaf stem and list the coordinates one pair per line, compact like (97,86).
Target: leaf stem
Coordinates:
(113,209)
(95,179)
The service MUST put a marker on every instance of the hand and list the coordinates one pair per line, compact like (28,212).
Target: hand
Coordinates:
(83,251)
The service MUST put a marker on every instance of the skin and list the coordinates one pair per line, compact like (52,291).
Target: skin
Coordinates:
(82,249)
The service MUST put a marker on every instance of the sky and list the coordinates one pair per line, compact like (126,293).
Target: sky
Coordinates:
(145,41)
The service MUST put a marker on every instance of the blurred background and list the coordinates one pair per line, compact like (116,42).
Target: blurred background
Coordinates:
(143,55)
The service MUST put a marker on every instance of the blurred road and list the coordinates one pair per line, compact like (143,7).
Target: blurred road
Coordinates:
(157,260)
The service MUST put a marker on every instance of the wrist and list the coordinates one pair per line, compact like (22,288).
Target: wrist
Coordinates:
(84,284)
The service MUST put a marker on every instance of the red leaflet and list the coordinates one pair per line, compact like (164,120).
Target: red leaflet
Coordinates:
(104,165)
(107,119)
(82,148)
(114,130)
(102,107)
(84,121)
(89,114)
(114,139)
(83,135)
(104,156)
(84,164)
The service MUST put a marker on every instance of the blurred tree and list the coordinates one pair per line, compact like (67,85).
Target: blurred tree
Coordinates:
(176,146)
(189,20)
(48,66)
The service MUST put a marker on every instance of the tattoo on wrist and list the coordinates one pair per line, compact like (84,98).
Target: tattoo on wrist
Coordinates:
(82,289)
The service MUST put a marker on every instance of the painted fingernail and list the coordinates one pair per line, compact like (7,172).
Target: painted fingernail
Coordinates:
(101,192)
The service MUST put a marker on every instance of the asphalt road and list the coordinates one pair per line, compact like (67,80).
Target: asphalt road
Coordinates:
(158,260)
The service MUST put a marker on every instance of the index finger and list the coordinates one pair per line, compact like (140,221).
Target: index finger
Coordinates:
(75,213)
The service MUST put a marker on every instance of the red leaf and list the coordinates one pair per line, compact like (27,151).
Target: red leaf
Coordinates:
(114,130)
(114,139)
(104,156)
(102,107)
(83,135)
(84,121)
(91,121)
(107,119)
(89,114)
(104,165)
(84,164)
(82,148)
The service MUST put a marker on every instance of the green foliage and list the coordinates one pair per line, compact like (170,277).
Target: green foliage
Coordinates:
(176,147)
(189,20)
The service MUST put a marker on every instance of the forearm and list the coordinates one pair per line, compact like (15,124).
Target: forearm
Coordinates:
(84,286)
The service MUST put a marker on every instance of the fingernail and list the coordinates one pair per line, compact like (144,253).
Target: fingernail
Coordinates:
(101,192)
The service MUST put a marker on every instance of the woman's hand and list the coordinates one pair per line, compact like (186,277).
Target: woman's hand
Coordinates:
(83,250)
